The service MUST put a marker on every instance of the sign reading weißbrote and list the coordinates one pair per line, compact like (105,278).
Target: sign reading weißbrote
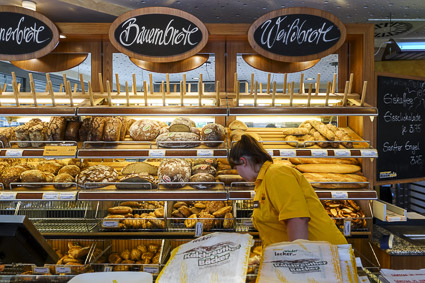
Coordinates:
(296,34)
(25,34)
(158,34)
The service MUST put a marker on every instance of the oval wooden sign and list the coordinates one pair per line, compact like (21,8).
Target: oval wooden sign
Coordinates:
(268,65)
(25,34)
(296,34)
(51,62)
(158,34)
(181,66)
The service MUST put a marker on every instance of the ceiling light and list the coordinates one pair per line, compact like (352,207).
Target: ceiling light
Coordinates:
(396,20)
(62,36)
(411,46)
(29,5)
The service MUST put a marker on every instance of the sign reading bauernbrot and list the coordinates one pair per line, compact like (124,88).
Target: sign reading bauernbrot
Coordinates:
(296,34)
(25,34)
(158,34)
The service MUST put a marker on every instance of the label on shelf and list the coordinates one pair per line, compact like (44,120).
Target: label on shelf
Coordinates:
(270,152)
(319,152)
(14,152)
(41,270)
(151,269)
(8,196)
(347,227)
(110,223)
(342,152)
(63,269)
(339,195)
(252,194)
(199,228)
(57,150)
(68,196)
(157,152)
(369,152)
(205,152)
(107,268)
(288,153)
(51,196)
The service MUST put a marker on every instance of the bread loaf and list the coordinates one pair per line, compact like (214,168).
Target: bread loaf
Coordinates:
(236,135)
(122,210)
(11,175)
(72,131)
(204,168)
(140,167)
(339,180)
(33,176)
(295,131)
(56,129)
(182,124)
(22,134)
(208,161)
(124,127)
(50,166)
(63,178)
(323,130)
(72,170)
(213,132)
(238,125)
(7,135)
(38,132)
(202,178)
(142,181)
(144,130)
(97,174)
(228,179)
(112,129)
(84,130)
(96,129)
(174,170)
(178,140)
(328,168)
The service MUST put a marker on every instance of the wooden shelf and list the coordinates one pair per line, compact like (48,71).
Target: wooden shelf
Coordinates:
(322,194)
(38,111)
(152,110)
(303,111)
(151,153)
(58,195)
(153,195)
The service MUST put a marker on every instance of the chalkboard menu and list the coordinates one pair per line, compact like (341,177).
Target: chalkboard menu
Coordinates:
(401,128)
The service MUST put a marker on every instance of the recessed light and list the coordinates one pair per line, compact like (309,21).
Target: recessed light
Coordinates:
(62,36)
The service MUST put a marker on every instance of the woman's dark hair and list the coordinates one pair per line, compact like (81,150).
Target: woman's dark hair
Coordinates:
(248,147)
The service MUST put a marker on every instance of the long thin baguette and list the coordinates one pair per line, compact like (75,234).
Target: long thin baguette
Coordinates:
(328,168)
(341,181)
(313,160)
(295,131)
(323,130)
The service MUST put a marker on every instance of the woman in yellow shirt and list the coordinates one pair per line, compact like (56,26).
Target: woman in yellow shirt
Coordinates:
(286,207)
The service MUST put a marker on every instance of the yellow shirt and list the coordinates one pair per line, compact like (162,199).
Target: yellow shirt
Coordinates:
(283,193)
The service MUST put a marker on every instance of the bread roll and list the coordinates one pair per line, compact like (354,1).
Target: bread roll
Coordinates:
(120,210)
(328,168)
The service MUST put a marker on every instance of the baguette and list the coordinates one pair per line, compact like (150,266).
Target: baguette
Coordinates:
(295,131)
(334,177)
(297,161)
(328,168)
(323,130)
(120,210)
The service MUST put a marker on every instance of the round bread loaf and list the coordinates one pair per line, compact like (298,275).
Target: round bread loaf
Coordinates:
(112,129)
(213,132)
(72,170)
(142,181)
(49,166)
(178,140)
(202,178)
(97,174)
(144,130)
(182,121)
(174,170)
(63,178)
(33,176)
(208,161)
(238,125)
(12,175)
(204,168)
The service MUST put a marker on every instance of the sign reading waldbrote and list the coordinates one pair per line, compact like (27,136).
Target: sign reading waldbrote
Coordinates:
(296,34)
(158,34)
(25,34)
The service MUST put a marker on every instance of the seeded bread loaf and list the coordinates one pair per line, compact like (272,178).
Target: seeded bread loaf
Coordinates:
(204,168)
(97,174)
(38,132)
(96,129)
(112,129)
(22,134)
(7,135)
(178,140)
(213,132)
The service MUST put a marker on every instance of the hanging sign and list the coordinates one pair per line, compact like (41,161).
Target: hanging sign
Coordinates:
(25,34)
(158,34)
(296,34)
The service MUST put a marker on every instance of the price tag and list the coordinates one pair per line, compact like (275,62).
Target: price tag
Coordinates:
(57,150)
(150,269)
(41,270)
(339,195)
(270,152)
(8,196)
(247,223)
(205,152)
(369,152)
(288,152)
(347,227)
(68,196)
(50,196)
(199,228)
(63,269)
(342,152)
(110,223)
(107,268)
(252,194)
(157,152)
(319,152)
(14,152)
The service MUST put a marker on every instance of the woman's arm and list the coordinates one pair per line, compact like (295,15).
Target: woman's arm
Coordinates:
(297,228)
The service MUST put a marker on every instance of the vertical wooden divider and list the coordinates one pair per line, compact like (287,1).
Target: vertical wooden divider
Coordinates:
(217,93)
(350,85)
(71,100)
(334,84)
(32,87)
(310,86)
(15,89)
(274,94)
(134,84)
(285,80)
(291,97)
(83,89)
(163,93)
(328,90)
(363,93)
(252,83)
(150,84)
(167,79)
(108,90)
(268,83)
(318,84)
(182,84)
(344,101)
(200,90)
(301,89)
(255,94)
(100,83)
(91,94)
(237,93)
(145,93)
(127,95)
(117,81)
(50,89)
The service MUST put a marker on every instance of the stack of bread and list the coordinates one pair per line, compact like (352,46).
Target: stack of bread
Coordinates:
(340,210)
(143,174)
(226,174)
(212,214)
(181,133)
(312,132)
(238,128)
(141,254)
(331,173)
(203,172)
(131,215)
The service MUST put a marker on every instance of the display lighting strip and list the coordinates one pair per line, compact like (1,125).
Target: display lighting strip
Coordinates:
(411,46)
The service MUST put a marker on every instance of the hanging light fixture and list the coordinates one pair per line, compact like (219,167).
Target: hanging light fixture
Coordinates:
(29,5)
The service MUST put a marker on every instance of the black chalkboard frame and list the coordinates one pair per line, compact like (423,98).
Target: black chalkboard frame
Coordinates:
(377,170)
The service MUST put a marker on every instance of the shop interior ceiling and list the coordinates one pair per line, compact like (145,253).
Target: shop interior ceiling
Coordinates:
(393,19)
